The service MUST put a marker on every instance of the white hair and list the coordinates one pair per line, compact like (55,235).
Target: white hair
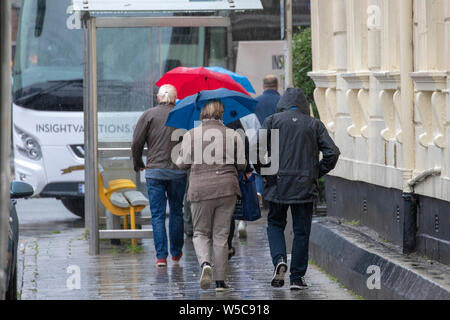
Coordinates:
(167,94)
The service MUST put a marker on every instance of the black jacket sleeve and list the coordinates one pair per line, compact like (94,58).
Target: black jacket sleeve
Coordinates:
(330,152)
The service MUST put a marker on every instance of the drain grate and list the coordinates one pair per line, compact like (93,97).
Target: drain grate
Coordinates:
(364,206)
(334,195)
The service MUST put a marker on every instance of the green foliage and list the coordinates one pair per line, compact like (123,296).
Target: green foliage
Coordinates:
(302,64)
(354,223)
(311,262)
(134,248)
(85,234)
(127,248)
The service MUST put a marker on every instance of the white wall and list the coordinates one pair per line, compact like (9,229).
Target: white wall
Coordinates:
(356,68)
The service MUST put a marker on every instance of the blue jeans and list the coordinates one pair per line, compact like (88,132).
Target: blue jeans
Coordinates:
(301,221)
(259,184)
(158,193)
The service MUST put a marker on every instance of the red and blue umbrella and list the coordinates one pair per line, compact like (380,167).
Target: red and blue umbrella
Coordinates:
(242,80)
(187,111)
(189,81)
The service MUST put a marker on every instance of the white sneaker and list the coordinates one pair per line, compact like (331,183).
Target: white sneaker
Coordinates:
(278,274)
(205,278)
(242,229)
(260,200)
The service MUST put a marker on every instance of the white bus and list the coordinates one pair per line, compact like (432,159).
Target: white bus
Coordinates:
(48,87)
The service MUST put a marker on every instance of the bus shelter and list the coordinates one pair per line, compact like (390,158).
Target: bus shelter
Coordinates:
(128,46)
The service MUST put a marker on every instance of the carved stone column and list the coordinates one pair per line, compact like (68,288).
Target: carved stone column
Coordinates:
(325,97)
(358,102)
(430,101)
(390,102)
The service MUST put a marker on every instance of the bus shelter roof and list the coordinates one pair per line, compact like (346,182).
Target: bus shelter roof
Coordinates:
(126,6)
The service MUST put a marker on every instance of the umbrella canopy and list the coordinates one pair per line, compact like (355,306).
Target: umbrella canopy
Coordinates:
(189,81)
(242,80)
(187,111)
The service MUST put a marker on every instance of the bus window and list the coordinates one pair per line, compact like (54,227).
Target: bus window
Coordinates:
(49,58)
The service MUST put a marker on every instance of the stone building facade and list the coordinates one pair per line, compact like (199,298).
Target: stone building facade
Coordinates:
(382,75)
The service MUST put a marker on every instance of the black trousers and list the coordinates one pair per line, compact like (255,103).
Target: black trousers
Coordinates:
(231,235)
(301,221)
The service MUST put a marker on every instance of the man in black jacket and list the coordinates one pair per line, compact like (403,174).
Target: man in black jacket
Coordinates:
(301,139)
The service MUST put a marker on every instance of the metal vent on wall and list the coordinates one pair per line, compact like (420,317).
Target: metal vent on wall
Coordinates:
(436,223)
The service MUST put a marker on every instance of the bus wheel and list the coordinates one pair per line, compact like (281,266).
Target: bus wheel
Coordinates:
(74,205)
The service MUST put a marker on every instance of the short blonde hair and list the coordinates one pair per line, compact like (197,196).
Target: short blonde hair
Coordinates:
(167,94)
(212,109)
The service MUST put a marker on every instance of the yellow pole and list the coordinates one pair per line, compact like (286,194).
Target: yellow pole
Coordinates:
(133,223)
(125,222)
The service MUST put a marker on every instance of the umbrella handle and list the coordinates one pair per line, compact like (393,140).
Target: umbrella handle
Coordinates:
(196,99)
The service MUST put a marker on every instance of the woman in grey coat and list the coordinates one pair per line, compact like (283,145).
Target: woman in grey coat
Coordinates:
(214,154)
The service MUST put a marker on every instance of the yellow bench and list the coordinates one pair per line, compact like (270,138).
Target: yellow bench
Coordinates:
(119,197)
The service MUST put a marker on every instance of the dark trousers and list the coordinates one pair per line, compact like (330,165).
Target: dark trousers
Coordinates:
(301,221)
(231,235)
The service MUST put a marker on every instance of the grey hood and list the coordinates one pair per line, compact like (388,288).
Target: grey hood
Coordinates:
(293,97)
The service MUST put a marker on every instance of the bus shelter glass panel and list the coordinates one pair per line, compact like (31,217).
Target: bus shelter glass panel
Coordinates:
(129,63)
(125,89)
(131,60)
(216,47)
(192,47)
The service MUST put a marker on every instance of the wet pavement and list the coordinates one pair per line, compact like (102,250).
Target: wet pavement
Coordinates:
(52,239)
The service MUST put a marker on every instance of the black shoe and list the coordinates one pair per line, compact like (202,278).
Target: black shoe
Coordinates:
(278,274)
(222,286)
(189,233)
(299,284)
(231,253)
(205,278)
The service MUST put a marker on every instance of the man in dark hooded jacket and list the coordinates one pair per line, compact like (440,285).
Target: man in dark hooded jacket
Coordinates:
(301,139)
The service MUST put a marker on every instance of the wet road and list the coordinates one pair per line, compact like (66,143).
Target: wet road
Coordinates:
(52,239)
